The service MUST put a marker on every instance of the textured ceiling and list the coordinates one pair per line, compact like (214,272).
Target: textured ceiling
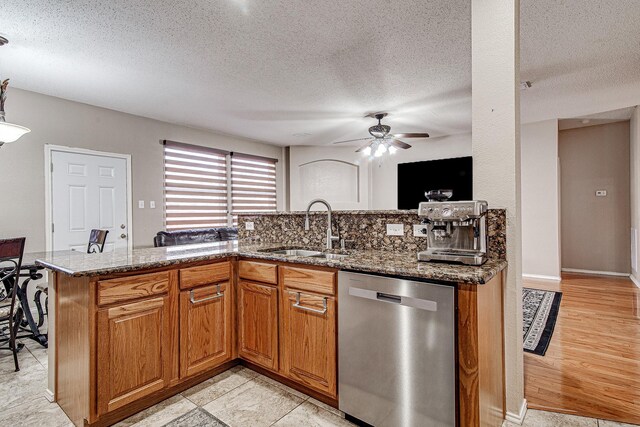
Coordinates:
(269,70)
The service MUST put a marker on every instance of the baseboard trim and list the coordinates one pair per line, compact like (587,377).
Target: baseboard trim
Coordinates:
(541,277)
(518,418)
(634,280)
(48,394)
(599,273)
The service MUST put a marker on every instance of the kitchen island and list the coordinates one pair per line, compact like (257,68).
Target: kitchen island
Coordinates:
(131,328)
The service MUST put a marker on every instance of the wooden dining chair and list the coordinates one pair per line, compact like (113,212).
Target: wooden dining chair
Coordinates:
(11,252)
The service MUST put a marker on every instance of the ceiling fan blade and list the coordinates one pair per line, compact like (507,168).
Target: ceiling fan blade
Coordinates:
(399,144)
(361,149)
(351,140)
(410,135)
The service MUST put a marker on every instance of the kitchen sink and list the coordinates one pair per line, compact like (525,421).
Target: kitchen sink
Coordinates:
(329,256)
(295,252)
(304,253)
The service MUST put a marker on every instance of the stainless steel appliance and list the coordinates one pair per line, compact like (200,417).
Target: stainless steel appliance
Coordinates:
(396,351)
(456,231)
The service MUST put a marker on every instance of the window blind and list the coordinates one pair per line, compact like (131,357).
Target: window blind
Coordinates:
(253,184)
(195,186)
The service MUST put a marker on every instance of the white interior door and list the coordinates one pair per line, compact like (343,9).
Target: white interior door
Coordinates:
(88,191)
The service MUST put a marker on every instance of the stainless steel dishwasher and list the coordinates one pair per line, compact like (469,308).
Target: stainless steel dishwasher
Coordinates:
(396,351)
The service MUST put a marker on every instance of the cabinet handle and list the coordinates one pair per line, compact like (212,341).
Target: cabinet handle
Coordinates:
(218,294)
(313,310)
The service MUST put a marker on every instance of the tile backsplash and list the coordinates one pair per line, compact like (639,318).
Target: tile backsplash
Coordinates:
(361,230)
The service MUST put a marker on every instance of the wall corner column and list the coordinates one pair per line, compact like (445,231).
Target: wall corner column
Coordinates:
(496,157)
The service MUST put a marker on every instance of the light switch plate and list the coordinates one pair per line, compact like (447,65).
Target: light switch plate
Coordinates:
(395,229)
(419,230)
(140,204)
(152,204)
(601,193)
(248,226)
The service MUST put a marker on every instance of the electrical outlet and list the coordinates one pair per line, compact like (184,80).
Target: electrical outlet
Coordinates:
(248,226)
(395,229)
(152,204)
(419,230)
(140,204)
(601,193)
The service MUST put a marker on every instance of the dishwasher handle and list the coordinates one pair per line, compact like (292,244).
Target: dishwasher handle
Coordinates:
(389,297)
(418,303)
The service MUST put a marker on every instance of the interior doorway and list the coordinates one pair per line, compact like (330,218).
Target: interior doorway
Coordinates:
(595,198)
(87,190)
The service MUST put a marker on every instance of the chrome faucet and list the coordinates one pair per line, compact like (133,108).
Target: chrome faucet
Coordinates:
(330,237)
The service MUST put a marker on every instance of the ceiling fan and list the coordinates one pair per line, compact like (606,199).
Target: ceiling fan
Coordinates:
(382,140)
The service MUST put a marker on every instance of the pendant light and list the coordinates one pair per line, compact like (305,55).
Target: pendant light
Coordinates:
(9,132)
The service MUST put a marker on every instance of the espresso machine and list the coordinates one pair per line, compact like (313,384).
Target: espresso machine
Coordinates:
(456,231)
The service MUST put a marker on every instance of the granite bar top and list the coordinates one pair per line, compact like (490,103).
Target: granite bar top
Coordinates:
(403,264)
(323,211)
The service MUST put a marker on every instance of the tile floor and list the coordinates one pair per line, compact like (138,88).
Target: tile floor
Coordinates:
(237,397)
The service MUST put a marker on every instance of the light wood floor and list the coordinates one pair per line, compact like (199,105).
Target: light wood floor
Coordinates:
(592,366)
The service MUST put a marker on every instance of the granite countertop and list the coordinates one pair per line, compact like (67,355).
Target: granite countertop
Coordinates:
(366,261)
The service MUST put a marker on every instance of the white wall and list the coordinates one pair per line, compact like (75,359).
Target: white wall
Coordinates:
(635,193)
(321,179)
(61,122)
(540,200)
(384,172)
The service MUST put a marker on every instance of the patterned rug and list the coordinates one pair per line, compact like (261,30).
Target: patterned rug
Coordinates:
(540,311)
(197,417)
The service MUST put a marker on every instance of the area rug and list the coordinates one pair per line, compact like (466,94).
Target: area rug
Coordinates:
(540,312)
(197,417)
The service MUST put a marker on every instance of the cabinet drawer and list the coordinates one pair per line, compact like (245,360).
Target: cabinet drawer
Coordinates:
(128,288)
(258,271)
(309,280)
(205,274)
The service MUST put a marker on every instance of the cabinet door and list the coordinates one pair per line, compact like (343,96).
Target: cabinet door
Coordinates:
(258,324)
(309,340)
(205,328)
(132,350)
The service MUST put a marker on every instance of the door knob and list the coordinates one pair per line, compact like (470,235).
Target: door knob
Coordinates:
(123,236)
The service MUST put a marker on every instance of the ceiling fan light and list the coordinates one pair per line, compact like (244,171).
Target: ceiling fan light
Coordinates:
(392,150)
(10,132)
(381,149)
(367,151)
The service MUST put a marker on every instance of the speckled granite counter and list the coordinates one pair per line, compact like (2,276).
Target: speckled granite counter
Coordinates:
(403,264)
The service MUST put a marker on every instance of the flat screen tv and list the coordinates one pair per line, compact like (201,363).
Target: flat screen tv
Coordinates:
(414,179)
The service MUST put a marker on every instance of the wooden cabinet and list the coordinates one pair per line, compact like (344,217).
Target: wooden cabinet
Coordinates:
(205,328)
(258,324)
(308,344)
(132,352)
